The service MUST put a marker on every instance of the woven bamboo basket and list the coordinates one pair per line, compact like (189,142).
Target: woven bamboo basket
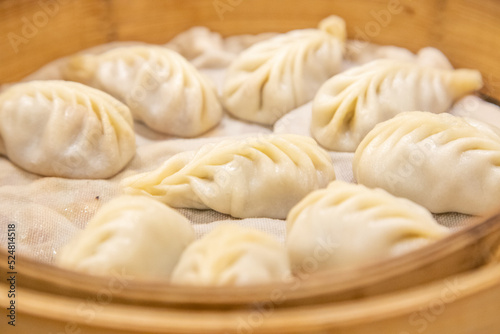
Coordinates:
(452,286)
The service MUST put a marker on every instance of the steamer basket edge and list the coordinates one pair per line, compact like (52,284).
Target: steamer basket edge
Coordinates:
(445,301)
(467,32)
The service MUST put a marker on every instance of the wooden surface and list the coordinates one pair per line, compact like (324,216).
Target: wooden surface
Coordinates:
(466,31)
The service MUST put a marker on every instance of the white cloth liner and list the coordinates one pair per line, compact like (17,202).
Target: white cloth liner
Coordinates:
(49,211)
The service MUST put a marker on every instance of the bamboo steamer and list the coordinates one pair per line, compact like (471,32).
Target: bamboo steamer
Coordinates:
(452,286)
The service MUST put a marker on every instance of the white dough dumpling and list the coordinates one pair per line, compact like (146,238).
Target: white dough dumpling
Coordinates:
(275,76)
(427,56)
(351,103)
(65,129)
(131,234)
(232,255)
(263,176)
(162,89)
(443,162)
(347,225)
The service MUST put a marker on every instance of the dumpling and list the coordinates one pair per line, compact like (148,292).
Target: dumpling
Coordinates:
(443,162)
(350,104)
(162,89)
(65,129)
(347,225)
(275,76)
(232,255)
(428,56)
(132,234)
(262,176)
(206,49)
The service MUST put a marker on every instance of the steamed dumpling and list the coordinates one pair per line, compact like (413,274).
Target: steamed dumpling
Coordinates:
(261,176)
(232,255)
(162,89)
(276,76)
(350,104)
(135,235)
(443,162)
(347,225)
(65,129)
(365,53)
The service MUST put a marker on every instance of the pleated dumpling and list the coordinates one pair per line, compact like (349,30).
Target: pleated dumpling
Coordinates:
(232,255)
(262,176)
(275,76)
(65,129)
(351,103)
(443,162)
(346,225)
(134,235)
(162,89)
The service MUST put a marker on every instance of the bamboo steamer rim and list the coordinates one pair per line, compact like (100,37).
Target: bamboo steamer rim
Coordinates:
(389,312)
(464,250)
(309,318)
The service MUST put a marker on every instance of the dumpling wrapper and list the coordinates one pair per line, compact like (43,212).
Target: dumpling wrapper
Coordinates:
(232,255)
(275,76)
(351,103)
(162,89)
(347,225)
(442,162)
(263,176)
(65,129)
(365,53)
(134,235)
